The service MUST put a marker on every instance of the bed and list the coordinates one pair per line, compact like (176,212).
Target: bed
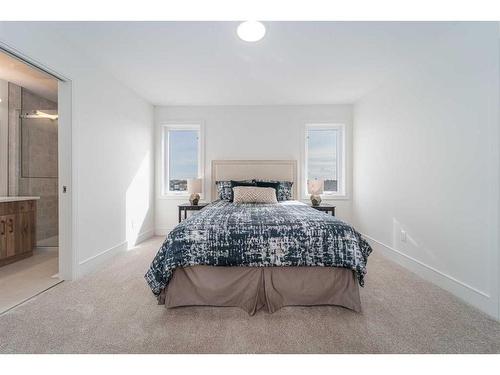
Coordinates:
(259,256)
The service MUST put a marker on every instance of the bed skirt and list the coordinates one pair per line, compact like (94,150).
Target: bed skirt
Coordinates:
(256,288)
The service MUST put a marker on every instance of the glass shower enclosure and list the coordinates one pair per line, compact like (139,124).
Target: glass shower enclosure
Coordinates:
(38,169)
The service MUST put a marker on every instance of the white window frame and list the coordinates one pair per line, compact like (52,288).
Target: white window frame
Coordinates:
(164,163)
(341,159)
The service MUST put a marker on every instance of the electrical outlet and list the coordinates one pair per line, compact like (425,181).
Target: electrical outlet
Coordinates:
(403,236)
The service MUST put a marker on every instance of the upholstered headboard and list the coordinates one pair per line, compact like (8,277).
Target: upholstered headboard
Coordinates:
(285,170)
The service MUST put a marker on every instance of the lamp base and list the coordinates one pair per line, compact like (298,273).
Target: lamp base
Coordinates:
(194,199)
(315,200)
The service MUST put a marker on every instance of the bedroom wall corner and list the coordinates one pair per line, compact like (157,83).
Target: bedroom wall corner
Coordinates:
(427,168)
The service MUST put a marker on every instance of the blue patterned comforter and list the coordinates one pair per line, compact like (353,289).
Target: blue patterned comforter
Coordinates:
(259,235)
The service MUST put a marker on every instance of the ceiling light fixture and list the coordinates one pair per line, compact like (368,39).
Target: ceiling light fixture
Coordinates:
(251,31)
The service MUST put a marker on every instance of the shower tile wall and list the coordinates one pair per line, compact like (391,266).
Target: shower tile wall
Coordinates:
(14,138)
(33,157)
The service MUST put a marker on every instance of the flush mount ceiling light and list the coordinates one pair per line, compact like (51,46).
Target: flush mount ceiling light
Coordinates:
(251,31)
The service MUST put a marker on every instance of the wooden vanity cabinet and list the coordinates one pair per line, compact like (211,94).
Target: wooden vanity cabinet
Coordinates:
(17,230)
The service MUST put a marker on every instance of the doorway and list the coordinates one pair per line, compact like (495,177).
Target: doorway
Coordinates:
(30,181)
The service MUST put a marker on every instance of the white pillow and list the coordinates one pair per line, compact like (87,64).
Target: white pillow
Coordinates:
(253,194)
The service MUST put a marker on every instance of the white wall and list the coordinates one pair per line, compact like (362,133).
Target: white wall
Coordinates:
(112,139)
(426,161)
(249,132)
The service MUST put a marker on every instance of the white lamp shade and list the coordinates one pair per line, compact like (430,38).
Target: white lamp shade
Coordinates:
(194,185)
(315,187)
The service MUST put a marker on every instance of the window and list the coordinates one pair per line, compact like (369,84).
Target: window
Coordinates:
(182,157)
(324,157)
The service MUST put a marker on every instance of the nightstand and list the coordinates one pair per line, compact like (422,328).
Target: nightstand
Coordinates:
(189,207)
(325,208)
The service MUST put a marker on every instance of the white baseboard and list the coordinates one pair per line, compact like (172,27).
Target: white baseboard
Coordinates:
(469,294)
(162,231)
(142,237)
(92,263)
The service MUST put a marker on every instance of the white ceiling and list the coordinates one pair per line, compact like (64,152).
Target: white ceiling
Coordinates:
(204,63)
(15,71)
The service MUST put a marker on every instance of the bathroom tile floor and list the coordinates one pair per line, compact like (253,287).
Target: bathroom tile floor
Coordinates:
(26,278)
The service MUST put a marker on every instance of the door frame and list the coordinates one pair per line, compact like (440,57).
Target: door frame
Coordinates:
(66,173)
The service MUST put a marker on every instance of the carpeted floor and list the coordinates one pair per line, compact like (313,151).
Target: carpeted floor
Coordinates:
(113,311)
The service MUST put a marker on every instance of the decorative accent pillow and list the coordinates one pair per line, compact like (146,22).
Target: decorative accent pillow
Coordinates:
(240,183)
(274,185)
(225,188)
(284,191)
(243,183)
(253,194)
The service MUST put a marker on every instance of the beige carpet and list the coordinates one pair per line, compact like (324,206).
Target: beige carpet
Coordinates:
(24,279)
(113,311)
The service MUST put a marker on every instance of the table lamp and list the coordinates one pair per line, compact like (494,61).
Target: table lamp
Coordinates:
(194,188)
(315,188)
